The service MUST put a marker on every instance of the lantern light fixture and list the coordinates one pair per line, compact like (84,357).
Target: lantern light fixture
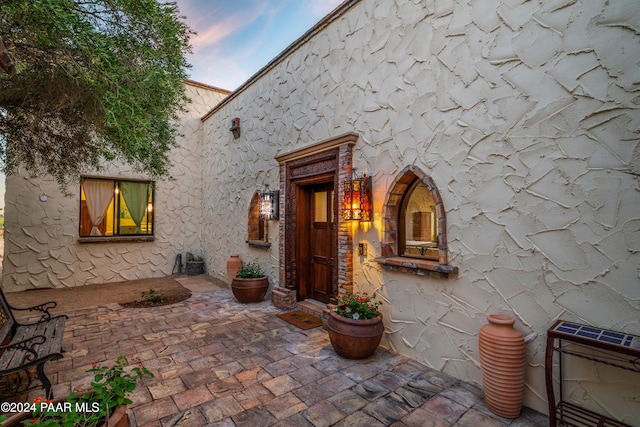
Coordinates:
(358,198)
(235,128)
(269,205)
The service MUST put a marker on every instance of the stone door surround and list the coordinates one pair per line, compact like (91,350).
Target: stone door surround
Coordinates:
(328,160)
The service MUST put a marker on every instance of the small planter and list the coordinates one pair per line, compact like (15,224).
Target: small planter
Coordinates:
(193,268)
(249,290)
(354,339)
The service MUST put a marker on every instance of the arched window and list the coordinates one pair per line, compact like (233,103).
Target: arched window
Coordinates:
(256,226)
(415,226)
(418,223)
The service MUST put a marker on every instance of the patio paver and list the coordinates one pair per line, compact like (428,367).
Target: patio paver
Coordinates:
(220,363)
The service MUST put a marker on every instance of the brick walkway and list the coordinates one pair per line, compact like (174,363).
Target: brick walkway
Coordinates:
(220,363)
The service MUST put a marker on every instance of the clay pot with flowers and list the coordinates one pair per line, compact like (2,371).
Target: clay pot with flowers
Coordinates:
(104,405)
(355,325)
(250,284)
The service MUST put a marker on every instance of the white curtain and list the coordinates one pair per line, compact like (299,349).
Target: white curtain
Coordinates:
(98,194)
(136,196)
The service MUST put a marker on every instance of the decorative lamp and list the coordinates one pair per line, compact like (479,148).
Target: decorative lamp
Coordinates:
(357,198)
(269,205)
(235,128)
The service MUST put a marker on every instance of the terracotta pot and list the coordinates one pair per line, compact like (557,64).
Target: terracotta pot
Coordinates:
(354,339)
(118,418)
(233,265)
(250,290)
(502,362)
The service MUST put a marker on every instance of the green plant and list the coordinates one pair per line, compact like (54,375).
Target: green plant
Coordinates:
(357,306)
(97,80)
(111,386)
(250,270)
(153,296)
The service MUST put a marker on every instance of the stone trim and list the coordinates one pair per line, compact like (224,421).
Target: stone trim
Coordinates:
(421,267)
(331,156)
(283,298)
(390,259)
(260,244)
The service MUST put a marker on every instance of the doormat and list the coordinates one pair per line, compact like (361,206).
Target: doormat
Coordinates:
(301,319)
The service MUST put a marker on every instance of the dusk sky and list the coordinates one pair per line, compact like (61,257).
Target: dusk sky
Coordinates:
(235,39)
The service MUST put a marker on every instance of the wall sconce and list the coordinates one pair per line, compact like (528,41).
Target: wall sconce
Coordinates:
(235,128)
(270,205)
(357,198)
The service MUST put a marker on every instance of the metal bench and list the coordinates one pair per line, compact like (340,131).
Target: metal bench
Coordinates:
(24,348)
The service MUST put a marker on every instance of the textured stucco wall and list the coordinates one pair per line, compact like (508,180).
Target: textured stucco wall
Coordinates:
(525,114)
(41,238)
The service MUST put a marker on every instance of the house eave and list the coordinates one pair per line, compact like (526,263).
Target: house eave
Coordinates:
(321,25)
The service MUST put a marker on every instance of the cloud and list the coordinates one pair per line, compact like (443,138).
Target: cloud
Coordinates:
(321,8)
(215,32)
(234,39)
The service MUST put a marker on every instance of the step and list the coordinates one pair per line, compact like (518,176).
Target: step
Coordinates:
(313,307)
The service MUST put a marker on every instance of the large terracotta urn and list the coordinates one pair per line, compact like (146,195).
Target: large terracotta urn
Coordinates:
(354,339)
(502,362)
(252,289)
(233,266)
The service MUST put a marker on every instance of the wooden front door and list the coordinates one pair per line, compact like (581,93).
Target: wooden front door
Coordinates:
(316,243)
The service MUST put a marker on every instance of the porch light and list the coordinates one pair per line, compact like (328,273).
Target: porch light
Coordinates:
(235,128)
(269,205)
(357,198)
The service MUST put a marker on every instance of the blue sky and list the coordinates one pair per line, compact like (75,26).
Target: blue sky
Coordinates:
(237,38)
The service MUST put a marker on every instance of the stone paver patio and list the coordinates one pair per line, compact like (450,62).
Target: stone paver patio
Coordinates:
(220,363)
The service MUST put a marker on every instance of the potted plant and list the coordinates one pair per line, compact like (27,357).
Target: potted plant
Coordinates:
(104,405)
(355,325)
(250,283)
(194,264)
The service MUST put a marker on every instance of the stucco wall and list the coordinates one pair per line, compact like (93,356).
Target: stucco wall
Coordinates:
(525,115)
(41,238)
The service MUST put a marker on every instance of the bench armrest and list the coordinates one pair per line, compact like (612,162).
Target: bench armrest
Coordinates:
(26,345)
(43,308)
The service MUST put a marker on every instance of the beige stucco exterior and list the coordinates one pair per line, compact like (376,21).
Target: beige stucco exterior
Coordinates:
(41,237)
(524,114)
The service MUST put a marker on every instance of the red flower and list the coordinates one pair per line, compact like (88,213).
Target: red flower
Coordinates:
(37,399)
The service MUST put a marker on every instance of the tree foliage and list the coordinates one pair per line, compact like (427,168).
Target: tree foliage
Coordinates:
(95,81)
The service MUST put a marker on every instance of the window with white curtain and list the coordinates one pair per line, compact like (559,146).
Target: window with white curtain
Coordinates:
(116,208)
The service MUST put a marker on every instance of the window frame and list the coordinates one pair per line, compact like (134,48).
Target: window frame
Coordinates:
(257,229)
(117,237)
(402,222)
(392,257)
